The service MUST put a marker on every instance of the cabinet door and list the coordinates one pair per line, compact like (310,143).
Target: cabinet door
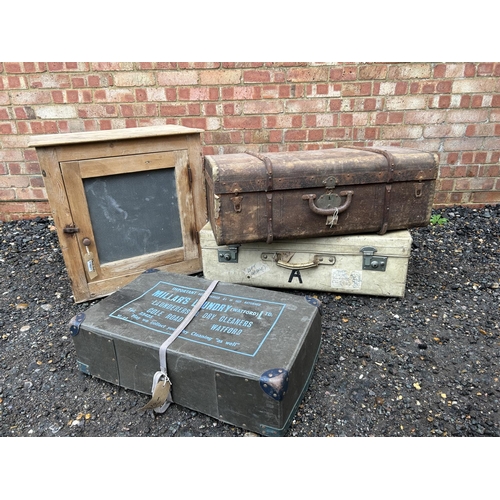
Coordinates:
(133,213)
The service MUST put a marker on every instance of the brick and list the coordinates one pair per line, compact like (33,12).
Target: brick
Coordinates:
(489,171)
(198,94)
(14,181)
(305,106)
(15,141)
(31,97)
(472,171)
(256,136)
(465,101)
(487,129)
(343,73)
(356,89)
(373,72)
(424,117)
(112,66)
(324,90)
(467,116)
(308,74)
(50,81)
(441,200)
(13,82)
(6,128)
(173,110)
(481,157)
(372,104)
(223,137)
(475,184)
(491,144)
(6,194)
(444,184)
(476,85)
(220,77)
(276,136)
(241,93)
(346,120)
(463,144)
(456,130)
(55,112)
(487,198)
(470,70)
(409,71)
(315,135)
(129,110)
(30,193)
(283,121)
(338,133)
(484,69)
(194,123)
(13,67)
(395,117)
(371,133)
(114,95)
(177,78)
(257,76)
(406,102)
(295,135)
(134,79)
(262,107)
(97,111)
(449,71)
(401,132)
(245,122)
(198,65)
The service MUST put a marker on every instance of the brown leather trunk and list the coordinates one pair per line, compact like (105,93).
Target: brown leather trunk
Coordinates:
(329,192)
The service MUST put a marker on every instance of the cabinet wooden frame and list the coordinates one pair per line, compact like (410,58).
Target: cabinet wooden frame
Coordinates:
(68,161)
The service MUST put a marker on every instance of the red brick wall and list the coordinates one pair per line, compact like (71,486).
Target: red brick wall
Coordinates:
(449,108)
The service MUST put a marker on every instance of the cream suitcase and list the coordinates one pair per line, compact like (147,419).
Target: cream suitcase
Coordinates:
(368,264)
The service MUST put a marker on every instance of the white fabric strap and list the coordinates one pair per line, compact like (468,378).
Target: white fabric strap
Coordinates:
(185,322)
(159,405)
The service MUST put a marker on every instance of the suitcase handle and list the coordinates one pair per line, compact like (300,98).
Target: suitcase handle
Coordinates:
(298,265)
(328,211)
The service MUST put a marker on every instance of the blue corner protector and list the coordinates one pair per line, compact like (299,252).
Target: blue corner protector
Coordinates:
(83,367)
(149,271)
(314,302)
(274,383)
(74,324)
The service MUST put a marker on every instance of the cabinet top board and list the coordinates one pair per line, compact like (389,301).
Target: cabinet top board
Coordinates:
(110,135)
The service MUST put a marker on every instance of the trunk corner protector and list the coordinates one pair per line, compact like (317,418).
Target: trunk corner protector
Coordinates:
(274,383)
(74,324)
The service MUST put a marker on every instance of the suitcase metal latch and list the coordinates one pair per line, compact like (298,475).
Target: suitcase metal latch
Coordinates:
(372,262)
(229,254)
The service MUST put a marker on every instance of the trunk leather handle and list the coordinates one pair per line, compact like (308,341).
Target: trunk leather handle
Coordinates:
(329,211)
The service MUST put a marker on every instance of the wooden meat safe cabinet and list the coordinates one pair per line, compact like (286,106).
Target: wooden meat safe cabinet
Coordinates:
(124,201)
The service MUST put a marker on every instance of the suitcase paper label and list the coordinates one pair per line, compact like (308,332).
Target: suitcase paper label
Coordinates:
(228,322)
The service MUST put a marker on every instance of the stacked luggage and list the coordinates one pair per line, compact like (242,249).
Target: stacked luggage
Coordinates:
(332,220)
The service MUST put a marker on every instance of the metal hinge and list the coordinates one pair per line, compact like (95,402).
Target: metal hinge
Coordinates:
(71,229)
(372,262)
(229,255)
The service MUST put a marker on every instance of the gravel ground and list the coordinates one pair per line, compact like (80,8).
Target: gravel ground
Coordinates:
(424,365)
